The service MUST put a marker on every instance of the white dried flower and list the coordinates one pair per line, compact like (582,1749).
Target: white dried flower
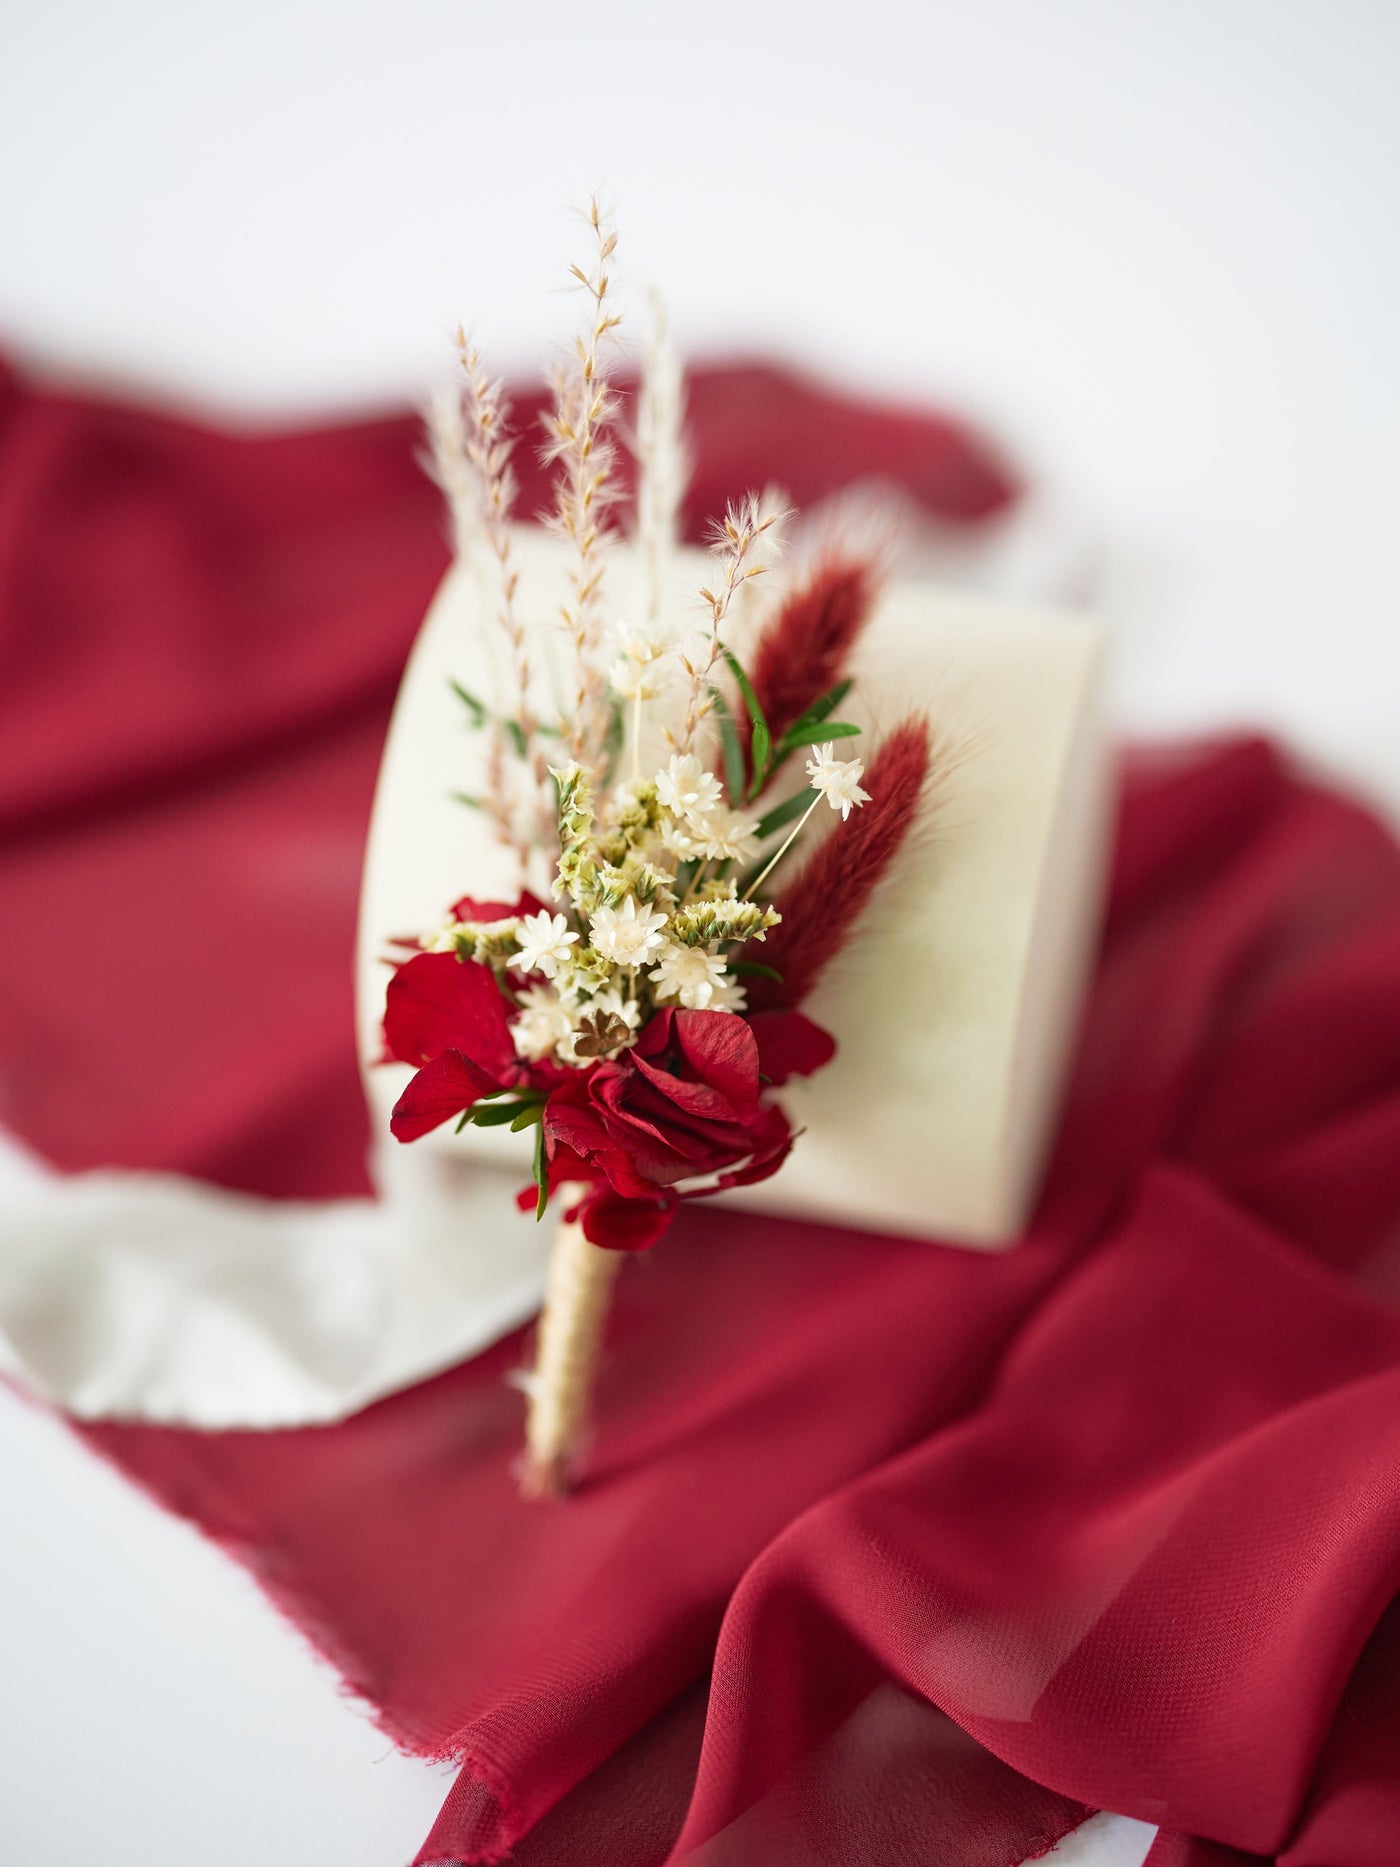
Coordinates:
(725,836)
(686,788)
(676,836)
(449,938)
(545,940)
(837,779)
(729,994)
(544,1023)
(692,974)
(636,647)
(631,680)
(626,935)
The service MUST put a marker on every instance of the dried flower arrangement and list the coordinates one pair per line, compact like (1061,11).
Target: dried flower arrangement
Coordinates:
(639,1019)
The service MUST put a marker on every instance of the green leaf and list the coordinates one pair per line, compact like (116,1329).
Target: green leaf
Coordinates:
(477,708)
(614,738)
(733,751)
(825,707)
(516,734)
(815,734)
(762,738)
(752,965)
(782,814)
(464,797)
(466,1117)
(762,744)
(529,1114)
(541,1175)
(493,1114)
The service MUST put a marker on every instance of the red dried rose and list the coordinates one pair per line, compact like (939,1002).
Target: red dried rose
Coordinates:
(683,1105)
(679,1115)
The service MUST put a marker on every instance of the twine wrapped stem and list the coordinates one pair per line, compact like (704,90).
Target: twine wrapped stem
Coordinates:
(578,1289)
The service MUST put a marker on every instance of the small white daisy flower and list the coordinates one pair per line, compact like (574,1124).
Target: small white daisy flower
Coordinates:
(626,935)
(633,680)
(725,836)
(729,995)
(544,1023)
(690,973)
(686,788)
(837,779)
(545,940)
(675,836)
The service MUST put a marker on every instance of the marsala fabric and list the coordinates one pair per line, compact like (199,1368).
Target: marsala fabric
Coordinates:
(891,1552)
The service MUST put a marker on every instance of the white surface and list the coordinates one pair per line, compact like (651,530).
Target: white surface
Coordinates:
(953,1027)
(145,1296)
(1153,245)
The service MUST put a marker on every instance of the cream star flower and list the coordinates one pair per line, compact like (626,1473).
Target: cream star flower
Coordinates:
(675,836)
(545,940)
(725,836)
(838,780)
(686,788)
(626,935)
(632,680)
(544,1023)
(690,973)
(729,995)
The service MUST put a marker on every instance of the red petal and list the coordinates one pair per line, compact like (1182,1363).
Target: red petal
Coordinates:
(790,1044)
(438,1002)
(625,1224)
(443,1088)
(720,1048)
(470,909)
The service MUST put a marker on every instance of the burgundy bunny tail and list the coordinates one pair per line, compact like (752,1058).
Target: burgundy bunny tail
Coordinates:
(807,643)
(824,900)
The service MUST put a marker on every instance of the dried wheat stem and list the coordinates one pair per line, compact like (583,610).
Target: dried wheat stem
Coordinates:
(662,461)
(488,445)
(585,408)
(578,1288)
(735,537)
(458,475)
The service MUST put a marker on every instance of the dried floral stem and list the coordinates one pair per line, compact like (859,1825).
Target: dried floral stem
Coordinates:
(735,537)
(577,1293)
(585,407)
(662,461)
(787,844)
(457,472)
(488,444)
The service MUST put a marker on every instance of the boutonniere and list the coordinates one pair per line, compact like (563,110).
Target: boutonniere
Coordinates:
(697,828)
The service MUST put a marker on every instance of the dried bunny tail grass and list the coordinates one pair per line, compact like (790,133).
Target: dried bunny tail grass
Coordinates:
(732,543)
(581,447)
(807,642)
(662,459)
(821,905)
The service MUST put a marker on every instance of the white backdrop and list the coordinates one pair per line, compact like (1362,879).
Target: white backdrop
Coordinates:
(1151,247)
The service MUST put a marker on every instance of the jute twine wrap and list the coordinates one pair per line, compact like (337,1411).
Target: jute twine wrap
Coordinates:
(578,1288)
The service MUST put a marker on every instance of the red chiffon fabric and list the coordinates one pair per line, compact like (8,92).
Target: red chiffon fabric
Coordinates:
(890,1552)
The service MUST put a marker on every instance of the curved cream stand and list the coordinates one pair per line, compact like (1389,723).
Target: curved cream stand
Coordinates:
(954,1009)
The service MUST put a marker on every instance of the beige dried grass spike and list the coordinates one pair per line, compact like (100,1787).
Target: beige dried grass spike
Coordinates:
(582,447)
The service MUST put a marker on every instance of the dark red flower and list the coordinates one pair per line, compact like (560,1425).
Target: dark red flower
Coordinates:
(684,1105)
(679,1115)
(446,1016)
